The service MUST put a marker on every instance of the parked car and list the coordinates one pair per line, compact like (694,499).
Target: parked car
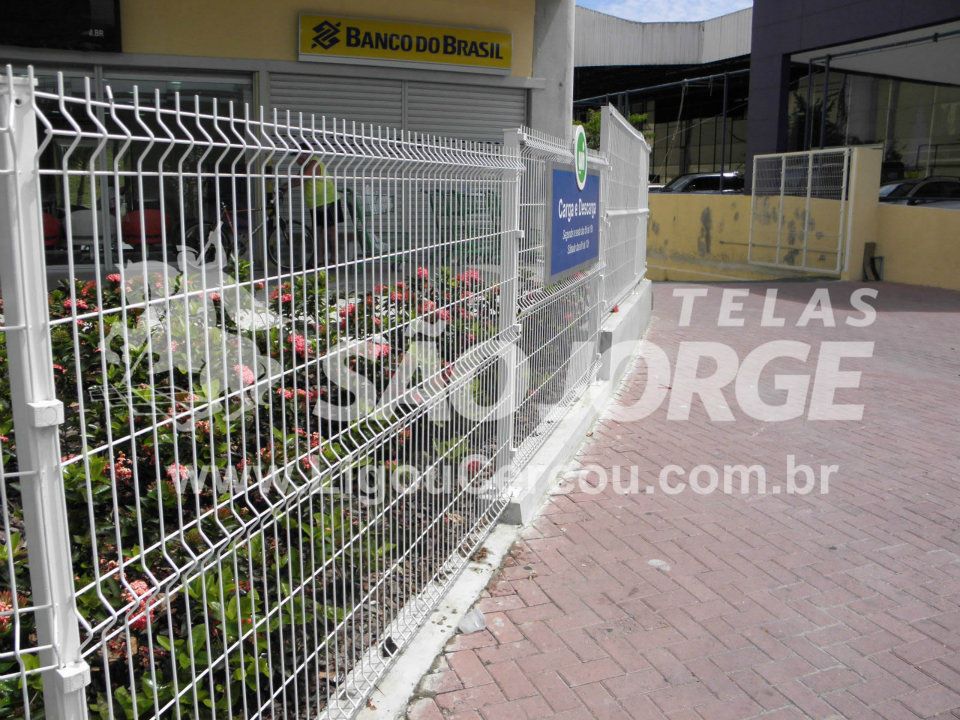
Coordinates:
(937,191)
(704,183)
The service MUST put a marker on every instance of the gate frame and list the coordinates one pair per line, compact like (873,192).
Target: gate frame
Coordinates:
(843,235)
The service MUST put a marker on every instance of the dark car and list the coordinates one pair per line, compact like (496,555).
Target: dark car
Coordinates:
(928,191)
(704,183)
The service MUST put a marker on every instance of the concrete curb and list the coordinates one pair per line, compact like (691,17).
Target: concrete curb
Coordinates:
(392,694)
(622,332)
(620,337)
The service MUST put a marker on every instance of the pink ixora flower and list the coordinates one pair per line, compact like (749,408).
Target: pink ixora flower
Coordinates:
(422,273)
(114,277)
(138,588)
(122,467)
(348,309)
(79,305)
(427,306)
(6,606)
(380,350)
(178,472)
(246,375)
(469,276)
(299,343)
(139,591)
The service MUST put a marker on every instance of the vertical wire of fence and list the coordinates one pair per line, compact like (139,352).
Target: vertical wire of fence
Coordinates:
(259,374)
(279,362)
(626,208)
(559,322)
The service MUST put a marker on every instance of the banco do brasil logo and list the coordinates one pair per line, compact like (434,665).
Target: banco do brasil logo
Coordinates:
(327,35)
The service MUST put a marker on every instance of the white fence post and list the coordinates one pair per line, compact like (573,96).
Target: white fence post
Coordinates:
(606,131)
(37,413)
(509,270)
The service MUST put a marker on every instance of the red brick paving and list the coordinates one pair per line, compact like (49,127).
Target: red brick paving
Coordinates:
(844,605)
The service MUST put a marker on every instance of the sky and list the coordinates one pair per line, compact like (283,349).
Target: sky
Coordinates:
(666,10)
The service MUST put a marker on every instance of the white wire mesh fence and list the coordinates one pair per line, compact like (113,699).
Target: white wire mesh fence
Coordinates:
(258,429)
(559,322)
(799,210)
(626,208)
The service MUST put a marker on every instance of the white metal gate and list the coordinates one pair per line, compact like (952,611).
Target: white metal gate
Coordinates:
(799,210)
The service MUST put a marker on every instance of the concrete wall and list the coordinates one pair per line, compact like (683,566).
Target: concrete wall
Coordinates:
(268,30)
(705,237)
(701,237)
(920,245)
(551,108)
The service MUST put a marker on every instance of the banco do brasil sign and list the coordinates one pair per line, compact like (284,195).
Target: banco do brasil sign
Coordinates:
(359,40)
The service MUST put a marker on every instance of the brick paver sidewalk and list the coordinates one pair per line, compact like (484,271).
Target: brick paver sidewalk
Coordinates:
(843,605)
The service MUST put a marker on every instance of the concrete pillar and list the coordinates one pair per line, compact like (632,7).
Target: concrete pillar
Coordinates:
(866,163)
(551,108)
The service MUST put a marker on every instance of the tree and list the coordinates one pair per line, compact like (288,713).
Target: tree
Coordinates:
(592,126)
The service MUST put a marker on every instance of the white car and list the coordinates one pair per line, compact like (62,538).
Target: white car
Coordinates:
(934,191)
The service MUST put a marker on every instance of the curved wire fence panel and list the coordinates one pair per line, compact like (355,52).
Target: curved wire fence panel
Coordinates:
(625,204)
(261,375)
(559,321)
(278,343)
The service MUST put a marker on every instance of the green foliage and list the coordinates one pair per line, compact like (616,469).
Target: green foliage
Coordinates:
(187,577)
(591,126)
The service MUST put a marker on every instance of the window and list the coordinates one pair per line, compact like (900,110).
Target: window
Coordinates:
(895,190)
(704,184)
(938,189)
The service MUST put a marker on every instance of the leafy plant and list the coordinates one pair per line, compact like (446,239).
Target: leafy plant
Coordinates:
(591,126)
(198,582)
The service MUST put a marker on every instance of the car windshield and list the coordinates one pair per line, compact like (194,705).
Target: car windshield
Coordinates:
(894,190)
(676,183)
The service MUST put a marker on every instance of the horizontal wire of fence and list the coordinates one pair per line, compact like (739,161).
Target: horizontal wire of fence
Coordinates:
(260,376)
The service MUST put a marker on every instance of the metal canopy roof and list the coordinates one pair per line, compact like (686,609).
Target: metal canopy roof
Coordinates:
(930,54)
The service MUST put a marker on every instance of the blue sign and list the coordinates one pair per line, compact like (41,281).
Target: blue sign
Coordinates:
(574,227)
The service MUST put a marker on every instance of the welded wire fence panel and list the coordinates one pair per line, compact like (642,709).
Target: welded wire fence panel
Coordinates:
(799,210)
(626,210)
(259,374)
(559,321)
(280,358)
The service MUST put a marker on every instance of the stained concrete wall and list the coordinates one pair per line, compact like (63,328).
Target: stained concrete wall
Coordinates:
(705,237)
(920,245)
(702,237)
